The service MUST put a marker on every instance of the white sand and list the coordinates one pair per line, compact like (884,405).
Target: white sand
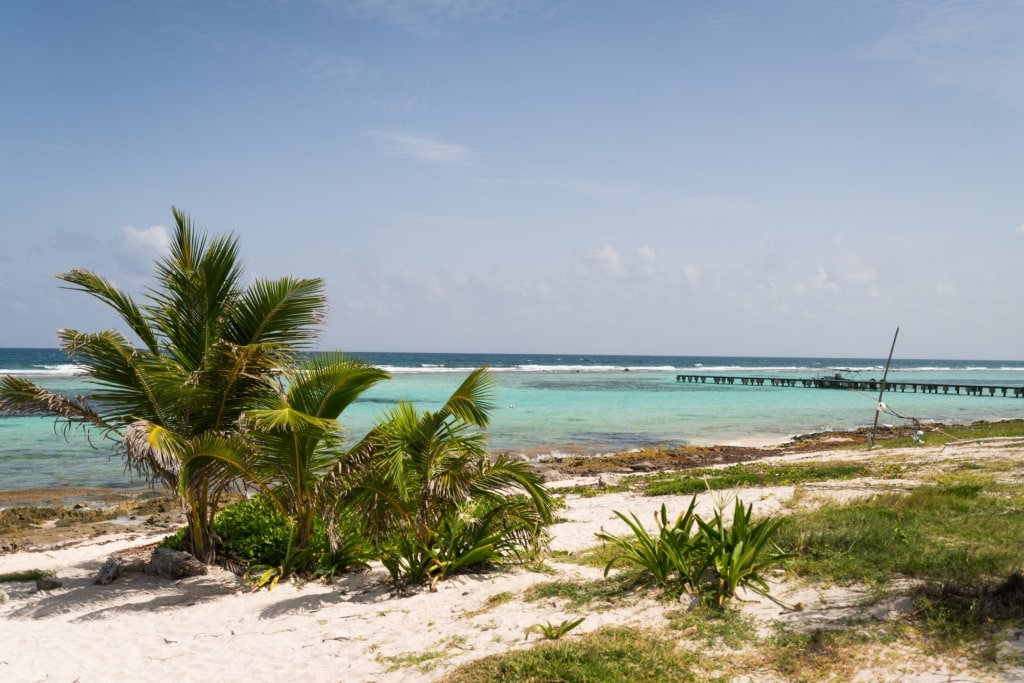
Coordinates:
(211,628)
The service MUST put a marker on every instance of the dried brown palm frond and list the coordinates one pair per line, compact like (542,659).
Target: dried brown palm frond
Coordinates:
(149,448)
(19,396)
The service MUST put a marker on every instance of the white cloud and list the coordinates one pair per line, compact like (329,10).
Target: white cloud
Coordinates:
(821,280)
(691,274)
(1020,229)
(152,240)
(423,148)
(607,263)
(646,260)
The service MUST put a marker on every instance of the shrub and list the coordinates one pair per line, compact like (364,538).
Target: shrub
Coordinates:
(253,531)
(702,557)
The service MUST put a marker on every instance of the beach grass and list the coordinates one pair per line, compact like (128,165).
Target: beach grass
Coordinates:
(608,654)
(747,475)
(27,575)
(949,546)
(964,527)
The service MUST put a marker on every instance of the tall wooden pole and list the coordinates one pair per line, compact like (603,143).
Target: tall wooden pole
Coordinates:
(881,389)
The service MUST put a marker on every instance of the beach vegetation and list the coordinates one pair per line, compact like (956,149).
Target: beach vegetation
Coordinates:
(740,551)
(607,654)
(25,575)
(296,439)
(959,529)
(950,545)
(256,537)
(674,552)
(431,498)
(199,350)
(594,595)
(701,557)
(731,628)
(942,434)
(498,599)
(553,631)
(749,475)
(210,389)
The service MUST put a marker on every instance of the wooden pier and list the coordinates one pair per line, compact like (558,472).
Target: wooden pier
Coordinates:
(839,382)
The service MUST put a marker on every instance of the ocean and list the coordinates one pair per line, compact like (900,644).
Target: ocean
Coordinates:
(568,403)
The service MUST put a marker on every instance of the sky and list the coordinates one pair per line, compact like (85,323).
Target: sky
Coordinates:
(687,177)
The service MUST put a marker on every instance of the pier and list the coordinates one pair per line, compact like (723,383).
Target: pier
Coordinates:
(839,382)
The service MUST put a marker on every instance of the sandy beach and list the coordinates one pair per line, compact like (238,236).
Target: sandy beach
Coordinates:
(213,628)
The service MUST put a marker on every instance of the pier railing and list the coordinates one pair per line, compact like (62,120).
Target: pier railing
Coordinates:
(857,384)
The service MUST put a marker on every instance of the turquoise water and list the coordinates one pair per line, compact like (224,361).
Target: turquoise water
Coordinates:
(562,404)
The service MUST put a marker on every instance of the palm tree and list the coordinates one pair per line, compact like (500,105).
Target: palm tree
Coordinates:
(208,350)
(295,440)
(428,492)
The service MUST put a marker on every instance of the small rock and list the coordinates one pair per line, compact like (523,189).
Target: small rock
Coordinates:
(608,480)
(3,597)
(48,584)
(174,564)
(136,565)
(109,572)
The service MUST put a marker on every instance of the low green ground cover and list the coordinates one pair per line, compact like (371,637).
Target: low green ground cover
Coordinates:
(748,475)
(957,538)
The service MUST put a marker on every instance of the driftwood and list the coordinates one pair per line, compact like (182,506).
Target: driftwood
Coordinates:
(174,564)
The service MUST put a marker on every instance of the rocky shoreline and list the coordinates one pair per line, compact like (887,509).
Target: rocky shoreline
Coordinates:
(45,518)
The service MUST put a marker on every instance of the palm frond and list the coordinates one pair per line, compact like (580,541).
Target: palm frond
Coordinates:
(288,419)
(233,378)
(472,402)
(100,288)
(198,288)
(153,449)
(128,380)
(19,396)
(284,311)
(328,383)
(216,460)
(505,475)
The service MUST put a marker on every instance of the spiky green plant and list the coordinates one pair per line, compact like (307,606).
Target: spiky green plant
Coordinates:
(675,550)
(553,631)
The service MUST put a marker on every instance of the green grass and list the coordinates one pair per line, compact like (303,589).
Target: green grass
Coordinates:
(942,434)
(958,537)
(591,594)
(610,655)
(965,531)
(27,575)
(753,474)
(715,627)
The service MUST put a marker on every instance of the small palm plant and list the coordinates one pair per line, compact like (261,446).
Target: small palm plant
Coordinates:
(430,495)
(296,440)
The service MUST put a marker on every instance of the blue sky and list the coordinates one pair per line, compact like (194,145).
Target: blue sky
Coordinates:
(563,176)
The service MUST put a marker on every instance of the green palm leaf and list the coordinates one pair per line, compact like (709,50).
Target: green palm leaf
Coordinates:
(285,311)
(99,287)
